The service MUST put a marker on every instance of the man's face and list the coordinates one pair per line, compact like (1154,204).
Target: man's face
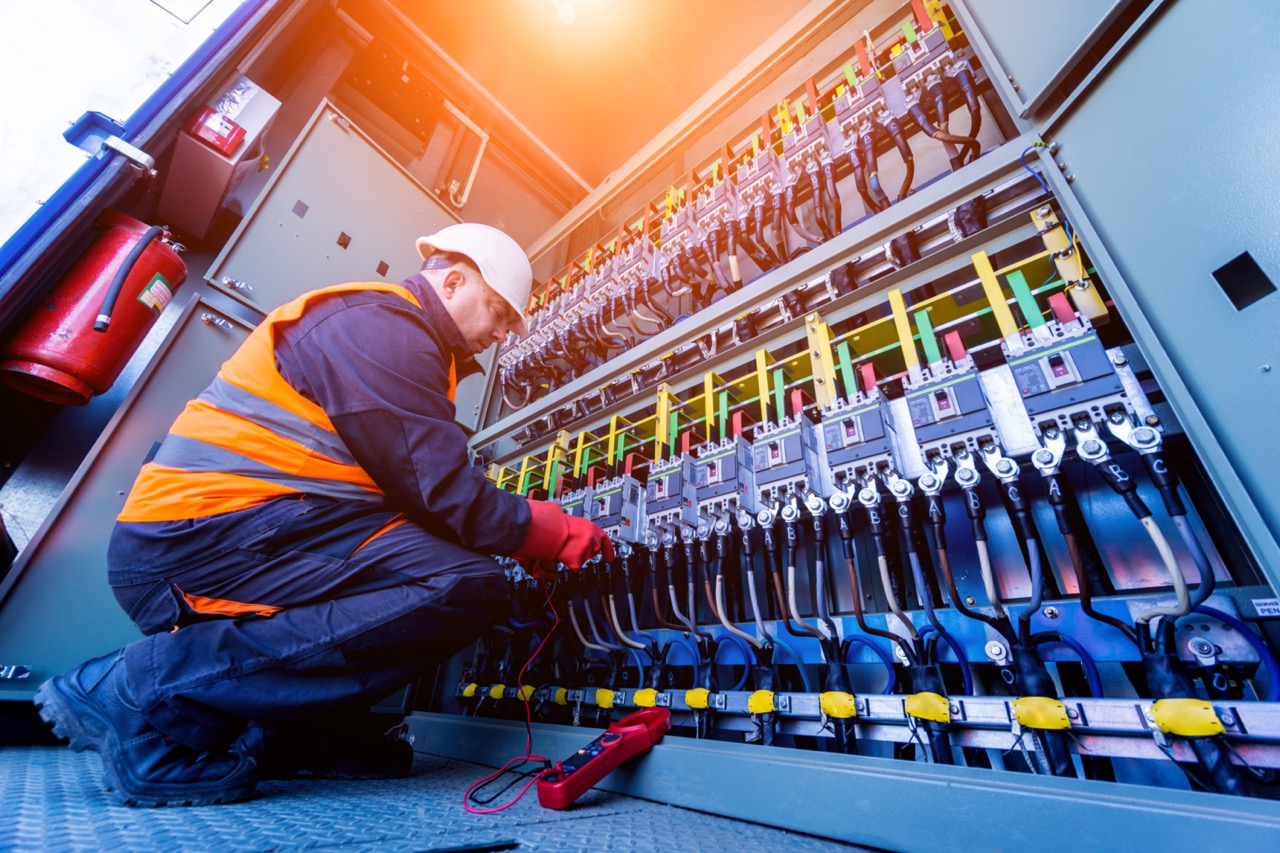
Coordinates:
(483,316)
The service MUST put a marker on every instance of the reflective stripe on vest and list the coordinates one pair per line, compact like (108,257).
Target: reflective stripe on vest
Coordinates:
(250,437)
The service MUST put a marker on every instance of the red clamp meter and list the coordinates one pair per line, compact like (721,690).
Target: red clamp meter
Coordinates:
(577,774)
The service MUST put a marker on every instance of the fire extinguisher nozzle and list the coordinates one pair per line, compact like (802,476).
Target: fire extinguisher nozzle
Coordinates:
(101,323)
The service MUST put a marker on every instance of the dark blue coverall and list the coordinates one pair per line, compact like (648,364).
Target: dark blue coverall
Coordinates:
(356,620)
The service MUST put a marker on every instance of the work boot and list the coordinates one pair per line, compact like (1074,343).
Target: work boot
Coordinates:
(91,707)
(329,747)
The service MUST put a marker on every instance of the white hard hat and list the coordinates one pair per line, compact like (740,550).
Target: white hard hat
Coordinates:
(502,263)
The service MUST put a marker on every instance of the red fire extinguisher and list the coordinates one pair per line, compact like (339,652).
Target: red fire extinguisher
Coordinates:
(78,340)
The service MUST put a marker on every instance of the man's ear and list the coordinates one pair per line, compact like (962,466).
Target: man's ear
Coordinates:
(453,279)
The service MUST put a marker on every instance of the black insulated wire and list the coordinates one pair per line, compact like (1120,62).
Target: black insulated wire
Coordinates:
(851,564)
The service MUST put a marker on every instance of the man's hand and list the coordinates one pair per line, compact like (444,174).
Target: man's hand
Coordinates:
(558,537)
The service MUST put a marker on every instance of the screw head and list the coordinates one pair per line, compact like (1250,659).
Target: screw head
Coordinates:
(1200,646)
(1152,420)
(997,652)
(1050,612)
(1091,447)
(928,481)
(1043,457)
(1228,719)
(1144,435)
(970,600)
(1119,360)
(1004,466)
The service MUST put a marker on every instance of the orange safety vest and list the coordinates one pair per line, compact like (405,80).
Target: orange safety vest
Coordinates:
(251,437)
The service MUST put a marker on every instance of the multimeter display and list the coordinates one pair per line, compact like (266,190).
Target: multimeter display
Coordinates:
(577,774)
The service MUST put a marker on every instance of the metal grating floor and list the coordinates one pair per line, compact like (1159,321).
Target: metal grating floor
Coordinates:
(54,800)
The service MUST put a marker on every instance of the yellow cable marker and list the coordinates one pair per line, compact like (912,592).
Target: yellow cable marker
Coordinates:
(646,697)
(709,382)
(604,697)
(1070,266)
(761,702)
(903,325)
(1186,718)
(470,690)
(822,363)
(697,698)
(991,287)
(496,691)
(842,706)
(1040,712)
(562,696)
(664,404)
(928,706)
(526,692)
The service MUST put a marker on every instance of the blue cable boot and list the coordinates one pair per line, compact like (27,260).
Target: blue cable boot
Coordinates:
(92,708)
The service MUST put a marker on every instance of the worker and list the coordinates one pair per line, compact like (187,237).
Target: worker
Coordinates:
(311,534)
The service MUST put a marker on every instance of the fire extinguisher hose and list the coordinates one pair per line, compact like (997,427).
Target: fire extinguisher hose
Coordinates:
(113,292)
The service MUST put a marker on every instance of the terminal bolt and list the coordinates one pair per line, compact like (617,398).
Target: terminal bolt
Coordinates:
(1205,652)
(998,652)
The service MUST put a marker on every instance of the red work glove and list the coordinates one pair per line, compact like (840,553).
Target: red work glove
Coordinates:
(553,535)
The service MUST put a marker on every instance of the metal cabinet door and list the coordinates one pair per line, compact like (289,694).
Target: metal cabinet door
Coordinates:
(56,609)
(338,209)
(1037,45)
(1172,173)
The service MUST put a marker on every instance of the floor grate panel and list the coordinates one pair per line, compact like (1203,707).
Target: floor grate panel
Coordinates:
(55,802)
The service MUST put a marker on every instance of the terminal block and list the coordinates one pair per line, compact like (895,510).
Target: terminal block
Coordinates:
(852,107)
(617,505)
(760,183)
(855,440)
(926,51)
(1065,376)
(779,463)
(725,477)
(948,409)
(671,496)
(575,502)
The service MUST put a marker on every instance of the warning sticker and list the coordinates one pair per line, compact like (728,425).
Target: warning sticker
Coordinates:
(1267,606)
(157,294)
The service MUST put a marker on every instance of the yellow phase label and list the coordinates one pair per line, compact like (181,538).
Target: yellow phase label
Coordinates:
(928,706)
(839,705)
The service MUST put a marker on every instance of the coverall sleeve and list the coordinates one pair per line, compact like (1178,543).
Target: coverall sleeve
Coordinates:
(377,369)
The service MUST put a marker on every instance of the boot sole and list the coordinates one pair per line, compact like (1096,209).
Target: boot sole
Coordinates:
(93,731)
